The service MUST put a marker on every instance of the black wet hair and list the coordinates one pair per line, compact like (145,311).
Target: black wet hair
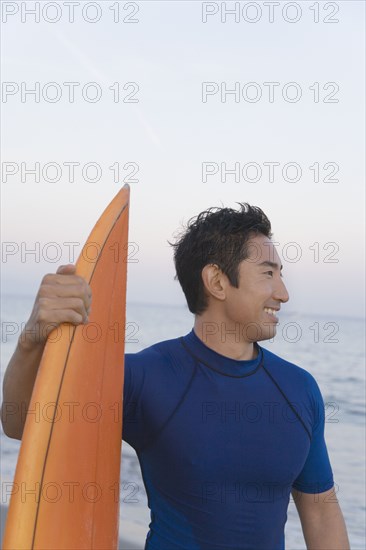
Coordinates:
(216,236)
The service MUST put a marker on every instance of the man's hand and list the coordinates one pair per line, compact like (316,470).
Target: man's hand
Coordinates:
(63,297)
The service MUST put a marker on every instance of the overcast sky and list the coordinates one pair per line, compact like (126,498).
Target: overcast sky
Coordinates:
(194,107)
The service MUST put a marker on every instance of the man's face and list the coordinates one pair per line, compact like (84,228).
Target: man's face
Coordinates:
(261,289)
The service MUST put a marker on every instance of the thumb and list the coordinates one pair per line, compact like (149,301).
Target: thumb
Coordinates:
(68,269)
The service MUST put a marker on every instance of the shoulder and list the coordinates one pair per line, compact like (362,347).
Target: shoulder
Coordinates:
(299,385)
(156,354)
(279,365)
(155,367)
(158,360)
(292,377)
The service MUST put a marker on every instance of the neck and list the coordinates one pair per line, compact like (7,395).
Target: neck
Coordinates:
(224,338)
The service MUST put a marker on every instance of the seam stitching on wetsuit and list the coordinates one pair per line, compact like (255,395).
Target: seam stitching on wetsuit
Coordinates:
(260,365)
(218,371)
(284,395)
(168,355)
(157,434)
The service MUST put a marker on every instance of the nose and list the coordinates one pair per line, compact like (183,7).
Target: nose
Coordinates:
(280,292)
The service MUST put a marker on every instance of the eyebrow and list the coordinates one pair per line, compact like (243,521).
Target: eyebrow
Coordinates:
(270,264)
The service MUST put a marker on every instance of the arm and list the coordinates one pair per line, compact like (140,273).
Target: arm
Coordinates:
(322,521)
(62,297)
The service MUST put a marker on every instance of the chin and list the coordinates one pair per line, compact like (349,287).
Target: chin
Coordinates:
(259,333)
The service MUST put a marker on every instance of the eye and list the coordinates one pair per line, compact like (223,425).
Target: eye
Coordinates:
(270,272)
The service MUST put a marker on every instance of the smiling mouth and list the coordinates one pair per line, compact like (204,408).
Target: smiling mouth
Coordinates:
(271,313)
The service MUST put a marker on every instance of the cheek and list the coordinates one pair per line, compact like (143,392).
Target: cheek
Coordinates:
(239,306)
(263,289)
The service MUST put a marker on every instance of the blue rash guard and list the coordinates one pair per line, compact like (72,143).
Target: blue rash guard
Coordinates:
(221,443)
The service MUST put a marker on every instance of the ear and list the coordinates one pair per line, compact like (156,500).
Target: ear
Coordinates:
(214,281)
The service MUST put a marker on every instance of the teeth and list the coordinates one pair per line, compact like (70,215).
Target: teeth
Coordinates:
(270,311)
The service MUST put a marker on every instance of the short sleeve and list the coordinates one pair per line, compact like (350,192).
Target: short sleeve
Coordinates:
(316,475)
(132,431)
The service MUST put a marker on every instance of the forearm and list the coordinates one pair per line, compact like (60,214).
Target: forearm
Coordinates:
(63,297)
(18,385)
(328,532)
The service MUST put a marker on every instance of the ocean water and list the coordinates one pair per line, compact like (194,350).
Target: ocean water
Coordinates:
(330,348)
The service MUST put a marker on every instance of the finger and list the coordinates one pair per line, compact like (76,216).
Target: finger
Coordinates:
(56,296)
(48,307)
(64,280)
(61,316)
(66,269)
(70,316)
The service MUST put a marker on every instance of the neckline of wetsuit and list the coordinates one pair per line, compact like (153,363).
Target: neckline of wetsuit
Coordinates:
(233,368)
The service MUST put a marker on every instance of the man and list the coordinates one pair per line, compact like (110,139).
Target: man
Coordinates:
(224,429)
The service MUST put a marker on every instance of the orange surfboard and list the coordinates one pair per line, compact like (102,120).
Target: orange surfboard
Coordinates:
(66,487)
